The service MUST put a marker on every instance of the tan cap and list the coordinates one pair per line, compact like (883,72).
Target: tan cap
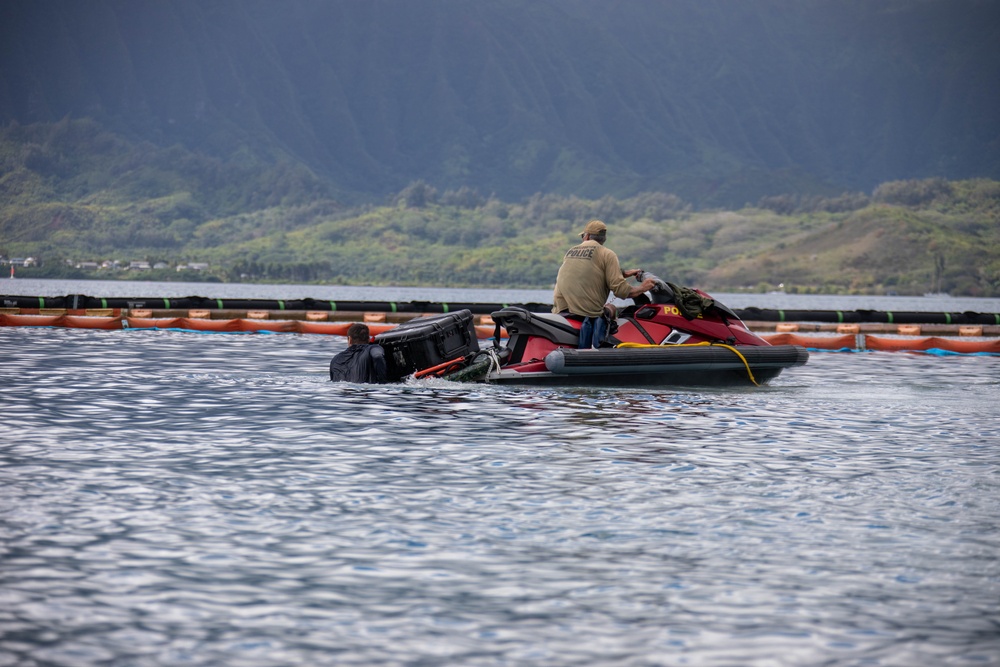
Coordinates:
(594,227)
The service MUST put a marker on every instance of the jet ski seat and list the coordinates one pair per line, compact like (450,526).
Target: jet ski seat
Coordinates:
(517,320)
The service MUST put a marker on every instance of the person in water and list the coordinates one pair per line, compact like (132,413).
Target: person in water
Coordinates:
(588,273)
(362,361)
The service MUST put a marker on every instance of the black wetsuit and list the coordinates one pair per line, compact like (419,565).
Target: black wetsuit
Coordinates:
(359,363)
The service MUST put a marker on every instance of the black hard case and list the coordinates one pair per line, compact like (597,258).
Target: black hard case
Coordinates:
(424,342)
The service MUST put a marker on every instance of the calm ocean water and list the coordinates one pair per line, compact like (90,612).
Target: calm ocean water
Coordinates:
(171,498)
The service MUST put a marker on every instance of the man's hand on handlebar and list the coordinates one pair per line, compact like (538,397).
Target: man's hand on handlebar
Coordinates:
(643,287)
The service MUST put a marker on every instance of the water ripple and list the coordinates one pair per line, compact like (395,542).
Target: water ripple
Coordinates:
(171,498)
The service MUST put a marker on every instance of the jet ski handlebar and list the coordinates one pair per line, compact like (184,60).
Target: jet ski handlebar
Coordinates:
(659,288)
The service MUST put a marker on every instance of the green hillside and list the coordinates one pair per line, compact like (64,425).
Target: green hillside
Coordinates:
(72,193)
(830,145)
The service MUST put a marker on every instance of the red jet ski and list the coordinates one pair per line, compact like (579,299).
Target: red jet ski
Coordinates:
(670,336)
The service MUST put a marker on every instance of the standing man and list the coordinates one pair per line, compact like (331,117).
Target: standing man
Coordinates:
(362,361)
(588,273)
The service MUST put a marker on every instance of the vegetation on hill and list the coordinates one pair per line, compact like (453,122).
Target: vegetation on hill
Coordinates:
(72,192)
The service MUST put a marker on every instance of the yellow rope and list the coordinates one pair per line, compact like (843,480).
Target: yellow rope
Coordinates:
(703,344)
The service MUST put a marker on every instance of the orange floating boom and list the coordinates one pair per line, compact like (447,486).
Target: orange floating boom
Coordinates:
(835,342)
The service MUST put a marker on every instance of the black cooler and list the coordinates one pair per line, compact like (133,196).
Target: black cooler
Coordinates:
(427,341)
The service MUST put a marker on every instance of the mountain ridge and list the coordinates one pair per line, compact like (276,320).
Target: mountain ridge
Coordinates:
(720,102)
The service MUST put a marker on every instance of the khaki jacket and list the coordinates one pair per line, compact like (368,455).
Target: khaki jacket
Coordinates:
(588,273)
